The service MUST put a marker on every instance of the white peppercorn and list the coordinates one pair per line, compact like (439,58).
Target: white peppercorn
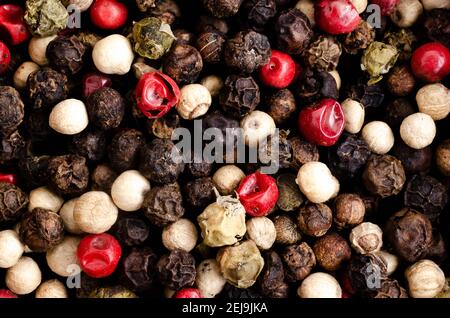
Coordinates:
(390,260)
(261,230)
(62,259)
(434,100)
(354,115)
(378,136)
(360,5)
(52,288)
(195,100)
(37,49)
(181,234)
(11,248)
(366,238)
(337,78)
(227,178)
(20,76)
(129,189)
(140,68)
(435,4)
(257,126)
(44,198)
(418,130)
(213,83)
(66,214)
(319,285)
(316,182)
(81,5)
(24,277)
(69,117)
(307,8)
(406,13)
(113,55)
(209,280)
(425,279)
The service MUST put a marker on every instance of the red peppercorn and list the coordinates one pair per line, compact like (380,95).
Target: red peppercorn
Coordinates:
(94,81)
(431,62)
(12,25)
(322,123)
(336,16)
(258,194)
(108,14)
(8,178)
(99,254)
(188,293)
(5,57)
(279,72)
(156,94)
(4,293)
(386,6)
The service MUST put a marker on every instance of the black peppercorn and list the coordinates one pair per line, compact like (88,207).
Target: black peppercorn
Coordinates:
(106,108)
(177,269)
(313,85)
(331,251)
(68,174)
(366,273)
(359,38)
(184,36)
(199,193)
(247,51)
(437,25)
(410,234)
(208,23)
(396,111)
(183,63)
(314,219)
(34,170)
(222,8)
(66,54)
(257,13)
(276,149)
(371,96)
(216,119)
(138,269)
(239,96)
(163,205)
(13,202)
(210,45)
(11,110)
(165,10)
(400,81)
(281,105)
(199,169)
(41,229)
(131,230)
(90,144)
(271,278)
(12,147)
(293,31)
(390,288)
(46,88)
(299,260)
(123,151)
(102,178)
(302,152)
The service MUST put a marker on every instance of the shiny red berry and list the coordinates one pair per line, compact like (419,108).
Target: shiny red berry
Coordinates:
(188,293)
(108,14)
(94,81)
(99,254)
(386,6)
(258,194)
(431,62)
(8,178)
(279,72)
(322,123)
(336,16)
(12,25)
(5,57)
(4,293)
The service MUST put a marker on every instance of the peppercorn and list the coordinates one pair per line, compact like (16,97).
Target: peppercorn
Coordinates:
(418,130)
(406,13)
(44,198)
(66,54)
(165,10)
(33,170)
(164,127)
(425,279)
(436,25)
(289,197)
(46,88)
(137,271)
(102,178)
(400,81)
(314,219)
(13,202)
(320,285)
(51,289)
(199,169)
(45,18)
(323,53)
(195,100)
(177,269)
(271,279)
(131,230)
(286,230)
(360,38)
(317,183)
(303,152)
(113,54)
(199,192)
(378,136)
(11,248)
(349,210)
(257,126)
(384,175)
(239,96)
(68,174)
(106,108)
(41,230)
(299,260)
(90,144)
(183,63)
(11,110)
(366,238)
(257,13)
(434,100)
(152,38)
(184,36)
(66,213)
(365,273)
(210,45)
(390,288)
(293,31)
(437,252)
(117,291)
(443,157)
(163,204)
(397,110)
(209,280)
(377,59)
(208,23)
(12,147)
(222,8)
(24,277)
(404,40)
(354,115)
(123,151)
(313,86)
(331,251)
(281,105)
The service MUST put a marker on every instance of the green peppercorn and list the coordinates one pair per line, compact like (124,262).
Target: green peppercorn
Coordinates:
(45,17)
(378,59)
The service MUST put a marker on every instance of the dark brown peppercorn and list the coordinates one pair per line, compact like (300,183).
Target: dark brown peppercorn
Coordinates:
(371,96)
(443,157)
(131,230)
(102,178)
(287,231)
(12,147)
(90,144)
(257,13)
(413,160)
(123,151)
(271,278)
(314,219)
(199,193)
(208,23)
(13,202)
(349,210)
(106,108)
(222,8)
(166,10)
(410,234)
(68,174)
(163,127)
(293,31)
(183,63)
(299,261)
(331,251)
(177,269)
(397,110)
(46,88)
(239,96)
(199,169)
(359,38)
(184,36)
(163,205)
(276,150)
(289,196)
(66,54)
(210,45)
(247,51)
(390,288)
(216,119)
(281,105)
(314,85)
(366,273)
(384,175)
(41,230)
(437,25)
(157,161)
(11,110)
(400,81)
(34,170)
(323,53)
(302,152)
(138,269)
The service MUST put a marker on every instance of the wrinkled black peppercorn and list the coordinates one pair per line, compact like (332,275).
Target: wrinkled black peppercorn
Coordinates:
(396,111)
(222,8)
(257,13)
(12,147)
(371,96)
(208,23)
(299,261)
(413,160)
(437,25)
(271,278)
(102,178)
(293,31)
(199,169)
(46,88)
(314,85)
(13,202)
(131,230)
(216,119)
(366,273)
(106,108)
(11,110)
(90,144)
(199,193)
(183,63)
(281,105)
(34,170)
(359,38)
(166,10)
(68,174)
(239,96)
(138,269)
(177,269)
(66,54)
(323,53)
(123,151)
(210,45)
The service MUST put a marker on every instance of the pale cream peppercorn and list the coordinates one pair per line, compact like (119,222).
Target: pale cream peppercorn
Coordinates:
(390,260)
(209,279)
(434,100)
(66,214)
(62,259)
(227,178)
(95,212)
(140,68)
(257,126)
(337,78)
(129,189)
(44,198)
(52,288)
(435,4)
(181,234)
(69,117)
(418,130)
(80,5)
(11,248)
(378,136)
(366,238)
(24,277)
(425,279)
(113,55)
(21,74)
(195,100)
(354,115)
(261,230)
(319,285)
(37,49)
(307,7)
(316,182)
(406,13)
(360,5)
(213,83)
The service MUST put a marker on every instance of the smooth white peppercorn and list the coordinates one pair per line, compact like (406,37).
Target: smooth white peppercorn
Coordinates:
(21,74)
(307,8)
(11,248)
(62,259)
(213,83)
(113,55)
(418,130)
(129,189)
(69,117)
(95,212)
(378,136)
(316,182)
(360,5)
(209,279)
(195,100)
(24,277)
(261,230)
(406,13)
(366,238)
(227,178)
(37,49)
(434,100)
(181,234)
(337,78)
(354,115)
(319,285)
(425,279)
(66,214)
(44,198)
(257,126)
(390,260)
(80,5)
(435,4)
(52,288)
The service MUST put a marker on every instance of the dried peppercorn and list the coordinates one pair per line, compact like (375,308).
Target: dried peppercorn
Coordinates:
(257,13)
(349,210)
(437,252)
(313,85)
(90,144)
(208,23)
(390,288)
(183,63)
(271,279)
(210,45)
(378,58)
(443,157)
(314,219)
(359,38)
(12,147)
(365,273)
(117,291)
(144,5)
(34,170)
(219,120)
(293,31)
(404,40)
(323,53)
(46,87)
(303,152)
(199,169)
(299,260)
(45,18)
(13,202)
(331,251)
(167,11)
(281,105)
(66,54)
(222,8)
(286,229)
(371,96)
(436,24)
(239,96)
(290,197)
(400,81)
(177,269)
(106,108)
(152,38)
(68,174)
(123,151)
(102,178)
(131,230)
(11,110)
(397,110)
(199,192)
(137,271)
(164,127)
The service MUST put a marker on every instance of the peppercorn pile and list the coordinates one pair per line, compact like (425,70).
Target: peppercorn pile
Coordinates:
(97,200)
